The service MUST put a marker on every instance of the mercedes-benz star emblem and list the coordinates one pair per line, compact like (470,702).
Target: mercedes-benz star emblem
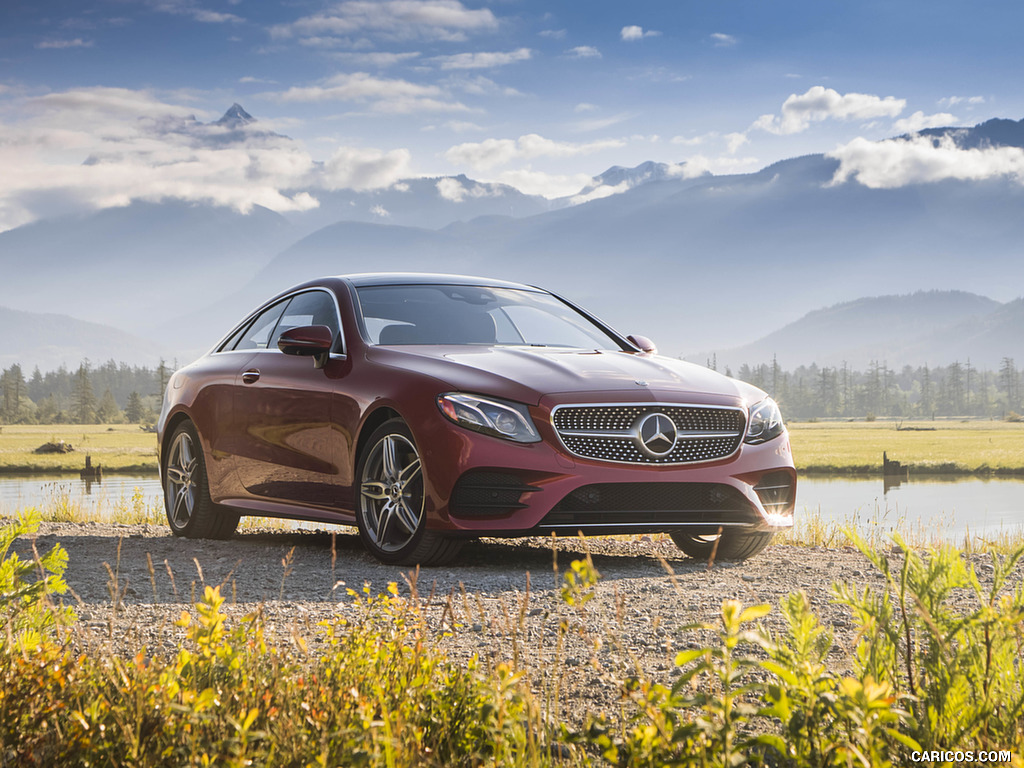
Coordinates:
(657,434)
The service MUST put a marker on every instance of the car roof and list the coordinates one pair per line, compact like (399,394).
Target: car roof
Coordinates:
(363,279)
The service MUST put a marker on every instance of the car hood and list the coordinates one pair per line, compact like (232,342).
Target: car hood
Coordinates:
(527,374)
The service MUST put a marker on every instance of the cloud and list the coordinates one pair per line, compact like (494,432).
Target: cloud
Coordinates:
(462,126)
(733,141)
(549,185)
(362,169)
(381,211)
(919,121)
(723,40)
(583,52)
(483,60)
(820,103)
(923,160)
(379,59)
(395,20)
(59,44)
(692,141)
(584,106)
(553,34)
(599,123)
(102,147)
(600,192)
(477,85)
(634,32)
(453,189)
(383,95)
(249,79)
(493,152)
(952,101)
(190,8)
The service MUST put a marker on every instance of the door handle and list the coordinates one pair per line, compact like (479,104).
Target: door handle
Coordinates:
(251,376)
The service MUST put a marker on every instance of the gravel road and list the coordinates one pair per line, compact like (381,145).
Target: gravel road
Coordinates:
(500,600)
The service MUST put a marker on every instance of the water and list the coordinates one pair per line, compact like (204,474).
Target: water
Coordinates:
(944,507)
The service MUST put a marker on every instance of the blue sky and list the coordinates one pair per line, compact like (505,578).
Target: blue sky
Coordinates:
(96,96)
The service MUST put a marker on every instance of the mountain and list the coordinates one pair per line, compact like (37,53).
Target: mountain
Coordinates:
(709,262)
(933,327)
(429,203)
(49,341)
(235,116)
(136,266)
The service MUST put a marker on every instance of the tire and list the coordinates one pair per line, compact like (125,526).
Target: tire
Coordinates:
(190,511)
(390,505)
(732,545)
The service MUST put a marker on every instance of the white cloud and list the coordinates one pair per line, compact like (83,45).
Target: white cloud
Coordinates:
(600,192)
(599,123)
(922,160)
(723,40)
(584,107)
(634,32)
(462,126)
(361,169)
(952,101)
(692,141)
(249,79)
(59,44)
(379,59)
(452,189)
(549,185)
(553,34)
(383,95)
(699,165)
(447,20)
(102,147)
(583,52)
(483,59)
(380,211)
(493,152)
(820,103)
(189,8)
(477,85)
(733,141)
(919,121)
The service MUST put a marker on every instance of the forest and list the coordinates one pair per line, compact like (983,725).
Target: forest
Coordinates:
(114,393)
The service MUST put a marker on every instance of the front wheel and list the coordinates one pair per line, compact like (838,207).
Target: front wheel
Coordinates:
(190,511)
(732,544)
(390,513)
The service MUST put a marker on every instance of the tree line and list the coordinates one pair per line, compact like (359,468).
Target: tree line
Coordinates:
(957,390)
(111,393)
(118,393)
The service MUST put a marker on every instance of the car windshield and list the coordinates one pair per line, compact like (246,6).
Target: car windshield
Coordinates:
(468,314)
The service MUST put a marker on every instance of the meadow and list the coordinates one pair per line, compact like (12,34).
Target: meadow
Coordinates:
(952,447)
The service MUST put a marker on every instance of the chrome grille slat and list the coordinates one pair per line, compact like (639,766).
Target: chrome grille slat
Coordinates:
(607,432)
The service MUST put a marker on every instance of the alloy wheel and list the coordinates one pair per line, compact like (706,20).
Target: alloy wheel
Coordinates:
(181,481)
(391,493)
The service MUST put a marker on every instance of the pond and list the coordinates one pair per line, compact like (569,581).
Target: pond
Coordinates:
(947,507)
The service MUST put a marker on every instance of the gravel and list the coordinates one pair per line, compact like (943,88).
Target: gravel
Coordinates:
(499,601)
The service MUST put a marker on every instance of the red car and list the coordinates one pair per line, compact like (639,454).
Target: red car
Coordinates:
(426,409)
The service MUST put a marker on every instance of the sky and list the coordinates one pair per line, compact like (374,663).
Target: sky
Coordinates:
(103,102)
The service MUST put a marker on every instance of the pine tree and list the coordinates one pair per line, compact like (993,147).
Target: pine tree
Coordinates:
(107,411)
(134,410)
(83,401)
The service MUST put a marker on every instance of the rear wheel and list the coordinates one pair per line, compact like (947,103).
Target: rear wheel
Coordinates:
(390,513)
(732,545)
(190,511)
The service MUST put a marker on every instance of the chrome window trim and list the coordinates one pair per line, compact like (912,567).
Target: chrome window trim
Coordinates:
(215,350)
(630,434)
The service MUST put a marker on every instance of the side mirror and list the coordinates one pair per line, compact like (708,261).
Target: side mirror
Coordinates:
(643,343)
(308,341)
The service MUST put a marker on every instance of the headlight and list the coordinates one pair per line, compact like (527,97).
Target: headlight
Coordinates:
(498,418)
(765,422)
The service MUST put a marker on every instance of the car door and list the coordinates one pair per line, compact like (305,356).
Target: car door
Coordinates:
(287,450)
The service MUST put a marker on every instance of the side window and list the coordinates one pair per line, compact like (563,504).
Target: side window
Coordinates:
(258,334)
(310,308)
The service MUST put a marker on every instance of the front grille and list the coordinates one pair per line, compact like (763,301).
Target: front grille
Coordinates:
(611,432)
(479,493)
(629,505)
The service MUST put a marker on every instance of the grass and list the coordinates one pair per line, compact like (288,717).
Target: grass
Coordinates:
(935,666)
(928,447)
(953,447)
(120,448)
